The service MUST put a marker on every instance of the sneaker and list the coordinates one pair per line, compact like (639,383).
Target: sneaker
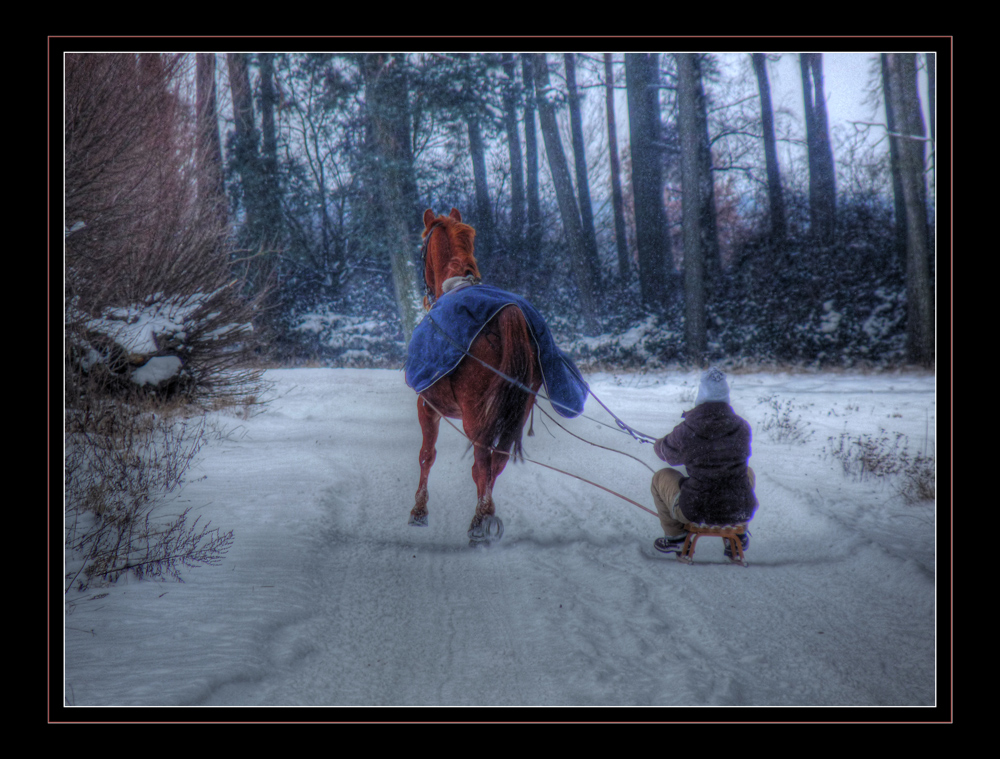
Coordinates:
(744,539)
(670,545)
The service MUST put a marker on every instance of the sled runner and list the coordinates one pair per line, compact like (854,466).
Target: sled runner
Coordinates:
(728,532)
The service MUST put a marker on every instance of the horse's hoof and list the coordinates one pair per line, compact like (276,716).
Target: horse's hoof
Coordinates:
(488,530)
(493,527)
(420,521)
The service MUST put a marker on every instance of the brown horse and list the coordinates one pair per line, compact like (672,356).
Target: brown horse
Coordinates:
(493,411)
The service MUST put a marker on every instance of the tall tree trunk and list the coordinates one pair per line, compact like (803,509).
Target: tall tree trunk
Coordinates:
(580,158)
(617,202)
(775,194)
(931,85)
(899,205)
(695,337)
(245,146)
(482,219)
(271,194)
(902,89)
(391,178)
(533,238)
(931,61)
(822,177)
(484,212)
(652,240)
(516,161)
(212,193)
(247,158)
(585,271)
(706,187)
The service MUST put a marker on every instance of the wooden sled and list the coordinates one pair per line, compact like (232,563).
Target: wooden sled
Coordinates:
(730,531)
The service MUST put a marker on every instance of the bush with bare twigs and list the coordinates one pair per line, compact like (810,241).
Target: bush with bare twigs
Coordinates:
(157,320)
(886,458)
(781,423)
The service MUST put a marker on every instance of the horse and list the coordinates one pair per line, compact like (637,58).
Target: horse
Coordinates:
(493,410)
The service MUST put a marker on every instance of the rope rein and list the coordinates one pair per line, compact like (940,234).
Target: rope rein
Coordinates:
(547,466)
(641,437)
(596,445)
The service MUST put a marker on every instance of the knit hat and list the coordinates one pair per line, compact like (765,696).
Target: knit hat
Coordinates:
(713,387)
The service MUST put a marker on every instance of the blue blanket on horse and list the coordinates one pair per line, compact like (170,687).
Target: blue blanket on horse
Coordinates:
(448,329)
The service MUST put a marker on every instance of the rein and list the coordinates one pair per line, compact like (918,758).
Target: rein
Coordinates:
(641,437)
(423,256)
(547,466)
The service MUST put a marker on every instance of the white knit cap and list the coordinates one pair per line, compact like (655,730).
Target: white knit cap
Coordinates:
(713,387)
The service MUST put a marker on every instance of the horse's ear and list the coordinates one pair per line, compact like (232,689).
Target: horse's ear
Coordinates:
(455,214)
(428,218)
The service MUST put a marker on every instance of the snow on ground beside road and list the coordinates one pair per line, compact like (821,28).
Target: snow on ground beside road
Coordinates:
(329,597)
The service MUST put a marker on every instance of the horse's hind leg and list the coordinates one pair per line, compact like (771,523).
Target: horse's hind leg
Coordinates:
(485,526)
(430,421)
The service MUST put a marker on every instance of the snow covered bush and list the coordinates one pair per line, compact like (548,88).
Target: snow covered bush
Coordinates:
(344,340)
(152,298)
(194,346)
(157,322)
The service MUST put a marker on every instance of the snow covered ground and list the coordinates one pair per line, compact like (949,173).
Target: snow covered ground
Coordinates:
(329,598)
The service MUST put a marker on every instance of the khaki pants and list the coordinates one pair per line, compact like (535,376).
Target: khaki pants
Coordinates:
(666,490)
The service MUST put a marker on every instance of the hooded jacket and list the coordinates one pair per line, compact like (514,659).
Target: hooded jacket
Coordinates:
(713,443)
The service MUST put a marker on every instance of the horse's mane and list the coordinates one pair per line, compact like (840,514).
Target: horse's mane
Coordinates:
(461,238)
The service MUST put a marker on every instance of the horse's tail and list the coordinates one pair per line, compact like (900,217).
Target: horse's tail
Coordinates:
(505,404)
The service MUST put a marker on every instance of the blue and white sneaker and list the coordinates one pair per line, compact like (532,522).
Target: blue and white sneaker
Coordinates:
(670,545)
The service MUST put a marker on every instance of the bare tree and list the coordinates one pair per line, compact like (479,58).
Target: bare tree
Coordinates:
(652,240)
(391,179)
(245,150)
(909,138)
(585,270)
(517,218)
(822,187)
(695,336)
(580,157)
(899,206)
(270,191)
(533,238)
(617,201)
(212,193)
(775,194)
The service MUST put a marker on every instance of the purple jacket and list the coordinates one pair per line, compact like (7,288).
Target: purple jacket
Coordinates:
(713,443)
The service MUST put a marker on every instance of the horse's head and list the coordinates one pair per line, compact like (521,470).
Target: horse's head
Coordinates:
(448,251)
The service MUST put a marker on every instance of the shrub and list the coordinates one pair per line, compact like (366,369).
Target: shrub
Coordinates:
(780,424)
(122,460)
(156,319)
(886,458)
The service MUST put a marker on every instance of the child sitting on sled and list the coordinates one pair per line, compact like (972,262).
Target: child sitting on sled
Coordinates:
(713,444)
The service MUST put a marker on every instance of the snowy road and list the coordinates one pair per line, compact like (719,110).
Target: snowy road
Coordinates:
(328,597)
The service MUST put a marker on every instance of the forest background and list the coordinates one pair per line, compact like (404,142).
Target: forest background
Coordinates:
(657,208)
